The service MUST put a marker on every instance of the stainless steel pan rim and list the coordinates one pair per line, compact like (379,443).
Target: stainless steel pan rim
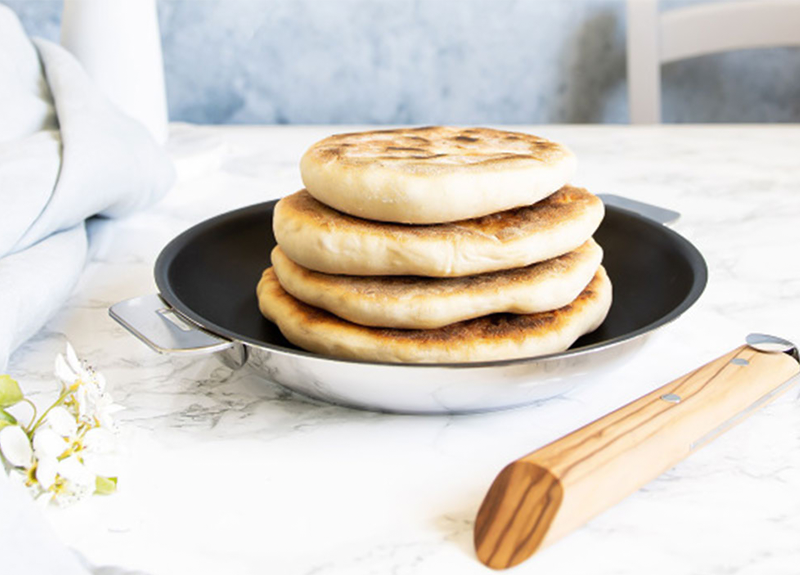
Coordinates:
(316,371)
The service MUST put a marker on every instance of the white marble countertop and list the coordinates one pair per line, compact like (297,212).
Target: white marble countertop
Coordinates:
(227,473)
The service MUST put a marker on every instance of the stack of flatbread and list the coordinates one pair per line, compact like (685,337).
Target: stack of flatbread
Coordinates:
(436,244)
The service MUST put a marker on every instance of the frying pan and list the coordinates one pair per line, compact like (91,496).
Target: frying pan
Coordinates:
(207,276)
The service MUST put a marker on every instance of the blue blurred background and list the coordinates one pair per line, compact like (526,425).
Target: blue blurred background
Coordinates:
(433,61)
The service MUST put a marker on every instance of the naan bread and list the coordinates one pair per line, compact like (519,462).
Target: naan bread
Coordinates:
(492,337)
(322,239)
(434,174)
(414,302)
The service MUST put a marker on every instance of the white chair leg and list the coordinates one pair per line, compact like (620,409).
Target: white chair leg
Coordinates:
(644,64)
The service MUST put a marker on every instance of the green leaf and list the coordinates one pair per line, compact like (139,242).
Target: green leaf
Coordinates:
(10,393)
(105,485)
(6,419)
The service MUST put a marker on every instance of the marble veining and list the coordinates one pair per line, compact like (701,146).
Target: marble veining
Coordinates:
(227,473)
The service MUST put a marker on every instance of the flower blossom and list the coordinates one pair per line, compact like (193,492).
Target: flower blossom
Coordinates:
(70,451)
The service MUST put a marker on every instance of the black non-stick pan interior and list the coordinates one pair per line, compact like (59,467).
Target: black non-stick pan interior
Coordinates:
(209,273)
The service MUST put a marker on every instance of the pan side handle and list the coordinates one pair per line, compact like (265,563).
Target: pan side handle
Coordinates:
(164,330)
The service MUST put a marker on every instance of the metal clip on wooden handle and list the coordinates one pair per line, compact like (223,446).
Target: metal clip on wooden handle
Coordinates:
(543,496)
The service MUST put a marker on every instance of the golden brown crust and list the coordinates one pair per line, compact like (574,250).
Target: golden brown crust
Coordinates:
(433,174)
(436,149)
(566,204)
(275,304)
(396,287)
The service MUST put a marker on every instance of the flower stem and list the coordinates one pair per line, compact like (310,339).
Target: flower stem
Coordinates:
(58,401)
(33,417)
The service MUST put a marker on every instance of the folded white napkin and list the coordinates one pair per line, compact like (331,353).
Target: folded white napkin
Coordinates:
(66,154)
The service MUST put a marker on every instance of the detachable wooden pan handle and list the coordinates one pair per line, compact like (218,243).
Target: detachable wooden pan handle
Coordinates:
(548,493)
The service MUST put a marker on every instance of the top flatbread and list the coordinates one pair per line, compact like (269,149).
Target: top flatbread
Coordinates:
(325,240)
(434,174)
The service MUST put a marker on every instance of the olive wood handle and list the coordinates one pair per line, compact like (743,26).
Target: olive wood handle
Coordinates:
(543,496)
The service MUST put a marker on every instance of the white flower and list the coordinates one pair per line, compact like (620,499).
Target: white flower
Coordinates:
(104,409)
(16,446)
(94,406)
(70,452)
(91,405)
(71,370)
(74,471)
(79,481)
(100,452)
(48,443)
(62,422)
(46,471)
(48,446)
(72,359)
(63,372)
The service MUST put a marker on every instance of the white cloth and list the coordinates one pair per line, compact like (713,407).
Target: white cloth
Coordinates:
(27,543)
(66,154)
